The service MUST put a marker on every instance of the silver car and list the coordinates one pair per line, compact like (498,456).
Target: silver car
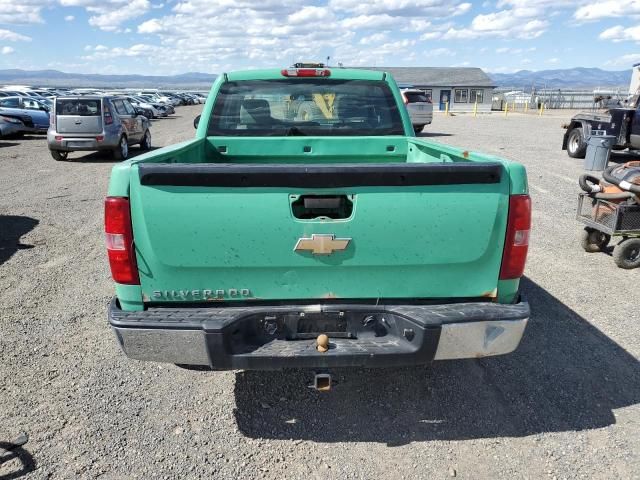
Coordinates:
(94,122)
(419,107)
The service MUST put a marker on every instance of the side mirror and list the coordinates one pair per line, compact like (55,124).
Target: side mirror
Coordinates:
(196,121)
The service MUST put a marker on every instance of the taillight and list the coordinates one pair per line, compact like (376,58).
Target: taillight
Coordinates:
(305,72)
(517,238)
(119,238)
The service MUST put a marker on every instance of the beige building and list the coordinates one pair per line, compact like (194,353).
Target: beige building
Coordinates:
(461,87)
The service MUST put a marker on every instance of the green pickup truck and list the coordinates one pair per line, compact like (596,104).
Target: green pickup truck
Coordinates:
(306,226)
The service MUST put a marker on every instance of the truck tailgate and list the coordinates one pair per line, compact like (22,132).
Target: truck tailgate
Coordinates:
(230,232)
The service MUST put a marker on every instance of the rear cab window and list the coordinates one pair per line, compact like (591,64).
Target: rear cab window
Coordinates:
(415,97)
(78,107)
(318,107)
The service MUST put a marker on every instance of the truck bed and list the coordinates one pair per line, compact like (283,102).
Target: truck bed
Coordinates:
(219,215)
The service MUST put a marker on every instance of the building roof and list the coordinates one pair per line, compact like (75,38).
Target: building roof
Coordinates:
(439,76)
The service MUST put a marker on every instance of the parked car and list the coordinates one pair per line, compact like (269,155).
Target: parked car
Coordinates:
(35,121)
(10,126)
(26,103)
(93,122)
(154,99)
(158,109)
(147,109)
(419,107)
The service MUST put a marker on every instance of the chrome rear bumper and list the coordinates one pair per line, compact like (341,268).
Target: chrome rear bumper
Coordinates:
(373,336)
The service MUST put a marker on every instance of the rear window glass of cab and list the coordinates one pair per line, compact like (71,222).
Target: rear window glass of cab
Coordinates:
(305,106)
(78,107)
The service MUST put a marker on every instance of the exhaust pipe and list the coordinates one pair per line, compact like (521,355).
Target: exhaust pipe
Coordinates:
(322,382)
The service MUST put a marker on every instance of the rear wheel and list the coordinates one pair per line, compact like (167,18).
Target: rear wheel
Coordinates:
(593,241)
(121,152)
(576,146)
(627,253)
(59,156)
(418,128)
(145,144)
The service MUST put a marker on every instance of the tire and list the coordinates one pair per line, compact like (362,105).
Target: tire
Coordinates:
(418,128)
(58,155)
(145,144)
(121,152)
(627,253)
(593,241)
(576,146)
(308,112)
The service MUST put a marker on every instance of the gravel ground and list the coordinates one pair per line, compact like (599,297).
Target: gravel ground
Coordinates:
(564,405)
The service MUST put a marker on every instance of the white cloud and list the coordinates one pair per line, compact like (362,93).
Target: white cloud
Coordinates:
(150,26)
(109,15)
(7,50)
(405,8)
(553,60)
(416,25)
(514,51)
(624,60)
(517,23)
(430,35)
(14,12)
(439,52)
(13,36)
(375,38)
(100,52)
(309,14)
(69,18)
(621,34)
(371,21)
(609,8)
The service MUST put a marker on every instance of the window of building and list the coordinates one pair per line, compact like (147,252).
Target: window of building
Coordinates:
(477,95)
(461,95)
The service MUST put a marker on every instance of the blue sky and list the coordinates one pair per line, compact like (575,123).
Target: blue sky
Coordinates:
(169,37)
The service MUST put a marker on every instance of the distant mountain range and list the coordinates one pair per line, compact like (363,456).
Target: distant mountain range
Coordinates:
(565,78)
(46,78)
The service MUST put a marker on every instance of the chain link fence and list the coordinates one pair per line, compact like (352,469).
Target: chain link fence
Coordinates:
(573,99)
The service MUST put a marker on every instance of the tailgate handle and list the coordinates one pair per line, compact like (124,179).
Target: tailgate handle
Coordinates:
(307,207)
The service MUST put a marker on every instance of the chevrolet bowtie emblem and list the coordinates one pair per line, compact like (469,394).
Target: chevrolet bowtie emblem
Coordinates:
(321,244)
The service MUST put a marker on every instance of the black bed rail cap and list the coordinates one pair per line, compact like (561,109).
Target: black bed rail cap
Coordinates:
(318,175)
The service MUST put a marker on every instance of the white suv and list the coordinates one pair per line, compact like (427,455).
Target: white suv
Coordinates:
(419,107)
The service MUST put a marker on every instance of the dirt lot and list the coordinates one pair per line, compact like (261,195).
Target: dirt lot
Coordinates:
(565,405)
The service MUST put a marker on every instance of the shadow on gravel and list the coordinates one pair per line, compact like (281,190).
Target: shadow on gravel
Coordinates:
(106,157)
(4,144)
(566,375)
(434,134)
(623,157)
(9,452)
(11,229)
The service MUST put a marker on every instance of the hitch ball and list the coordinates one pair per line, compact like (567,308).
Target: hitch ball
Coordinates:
(322,343)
